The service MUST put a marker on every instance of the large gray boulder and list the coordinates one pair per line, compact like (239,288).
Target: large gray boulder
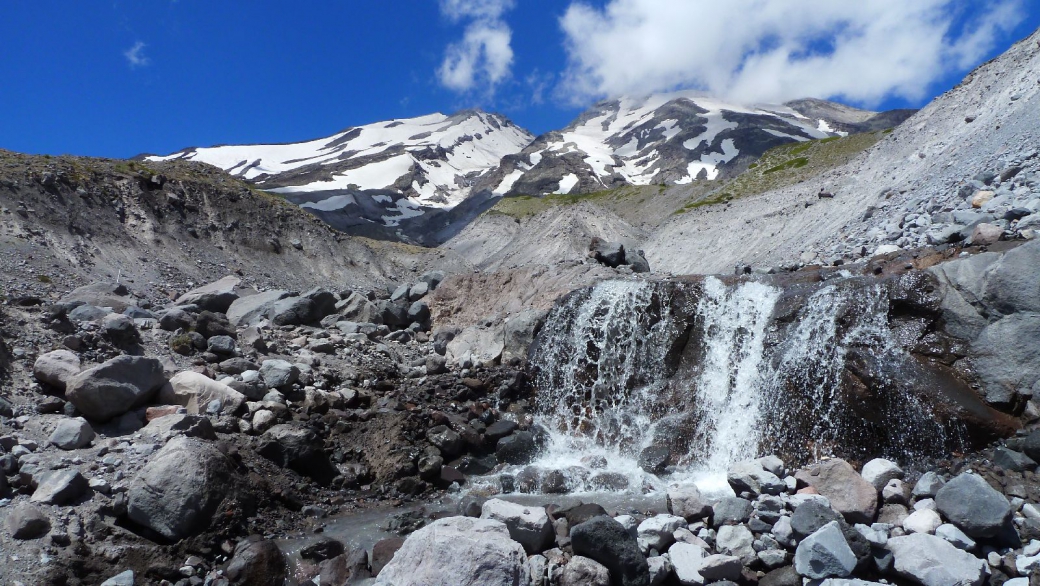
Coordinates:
(297,447)
(257,562)
(519,332)
(251,310)
(114,296)
(657,531)
(279,373)
(216,296)
(879,471)
(825,554)
(196,391)
(932,561)
(25,521)
(1007,357)
(115,387)
(458,551)
(970,503)
(582,571)
(56,368)
(58,487)
(292,311)
(1012,284)
(72,434)
(608,542)
(848,492)
(528,525)
(752,477)
(181,488)
(687,502)
(687,560)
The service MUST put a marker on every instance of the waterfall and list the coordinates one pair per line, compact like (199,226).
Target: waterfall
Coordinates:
(728,391)
(709,373)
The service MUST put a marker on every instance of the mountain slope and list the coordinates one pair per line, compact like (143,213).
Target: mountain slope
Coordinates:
(667,139)
(915,187)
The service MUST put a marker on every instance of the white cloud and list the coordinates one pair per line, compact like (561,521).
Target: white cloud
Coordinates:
(135,55)
(775,50)
(484,56)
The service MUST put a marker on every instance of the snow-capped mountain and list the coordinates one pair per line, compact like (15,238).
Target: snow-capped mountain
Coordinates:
(432,160)
(665,139)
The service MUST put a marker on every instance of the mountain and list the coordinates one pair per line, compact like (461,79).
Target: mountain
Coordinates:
(370,179)
(422,180)
(669,139)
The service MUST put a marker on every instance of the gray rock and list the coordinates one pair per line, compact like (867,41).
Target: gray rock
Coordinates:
(418,291)
(825,554)
(196,391)
(165,427)
(72,434)
(88,313)
(257,561)
(657,531)
(928,485)
(178,491)
(611,254)
(970,503)
(519,333)
(121,579)
(879,471)
(518,448)
(279,373)
(24,521)
(59,487)
(419,312)
(955,536)
(56,368)
(223,345)
(216,296)
(606,541)
(849,494)
(175,319)
(721,567)
(581,571)
(292,311)
(752,477)
(637,261)
(458,551)
(1008,370)
(736,540)
(295,446)
(687,560)
(1012,460)
(447,440)
(111,295)
(251,310)
(528,525)
(932,561)
(687,502)
(731,511)
(811,515)
(115,387)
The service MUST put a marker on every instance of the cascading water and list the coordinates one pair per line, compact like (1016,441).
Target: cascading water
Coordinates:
(729,390)
(710,373)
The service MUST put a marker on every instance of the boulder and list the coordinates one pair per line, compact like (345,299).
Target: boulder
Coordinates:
(518,448)
(56,368)
(660,569)
(528,525)
(657,531)
(258,562)
(383,551)
(59,487)
(687,560)
(879,471)
(928,485)
(121,579)
(736,540)
(753,478)
(167,426)
(582,571)
(608,542)
(731,511)
(932,561)
(295,446)
(122,384)
(611,254)
(216,296)
(687,502)
(279,374)
(251,310)
(196,391)
(811,515)
(178,492)
(478,344)
(519,333)
(1012,460)
(458,551)
(292,311)
(721,567)
(1008,370)
(970,503)
(847,491)
(72,434)
(25,521)
(922,521)
(825,554)
(955,536)
(986,234)
(112,295)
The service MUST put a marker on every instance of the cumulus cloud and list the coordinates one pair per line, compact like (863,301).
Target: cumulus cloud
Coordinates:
(484,56)
(135,55)
(776,50)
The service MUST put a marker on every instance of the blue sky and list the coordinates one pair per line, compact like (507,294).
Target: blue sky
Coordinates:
(119,78)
